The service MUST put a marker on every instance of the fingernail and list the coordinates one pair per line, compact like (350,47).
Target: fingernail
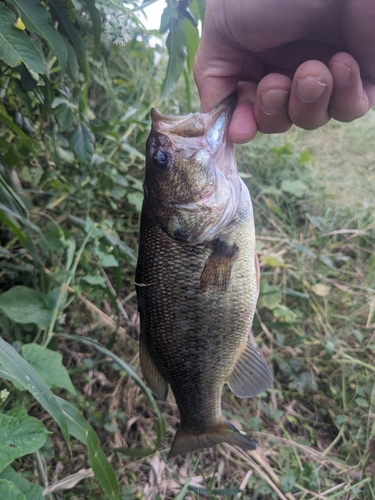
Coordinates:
(310,90)
(341,75)
(274,100)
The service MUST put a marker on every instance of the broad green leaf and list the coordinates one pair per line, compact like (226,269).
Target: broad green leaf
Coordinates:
(287,482)
(105,259)
(9,491)
(38,20)
(22,372)
(136,199)
(30,490)
(272,260)
(20,435)
(283,313)
(15,46)
(82,142)
(48,364)
(82,430)
(175,44)
(96,22)
(92,279)
(26,305)
(192,41)
(65,116)
(269,295)
(72,68)
(296,188)
(198,8)
(304,157)
(67,28)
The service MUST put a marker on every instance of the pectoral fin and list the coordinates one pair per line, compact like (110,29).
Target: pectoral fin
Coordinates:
(251,375)
(157,383)
(218,267)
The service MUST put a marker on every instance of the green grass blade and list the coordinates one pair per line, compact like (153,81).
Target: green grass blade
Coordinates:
(82,430)
(133,374)
(184,489)
(18,368)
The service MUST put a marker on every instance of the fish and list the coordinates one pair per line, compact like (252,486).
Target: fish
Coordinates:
(197,277)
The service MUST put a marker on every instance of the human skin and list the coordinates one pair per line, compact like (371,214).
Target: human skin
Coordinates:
(290,61)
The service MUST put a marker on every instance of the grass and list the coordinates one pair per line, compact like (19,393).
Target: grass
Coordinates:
(313,195)
(315,325)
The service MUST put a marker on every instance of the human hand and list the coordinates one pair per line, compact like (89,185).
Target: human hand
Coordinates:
(290,61)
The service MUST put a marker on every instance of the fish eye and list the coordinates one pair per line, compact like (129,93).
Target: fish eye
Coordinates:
(161,159)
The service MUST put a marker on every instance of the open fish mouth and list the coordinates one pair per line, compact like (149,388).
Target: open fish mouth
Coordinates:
(197,131)
(194,124)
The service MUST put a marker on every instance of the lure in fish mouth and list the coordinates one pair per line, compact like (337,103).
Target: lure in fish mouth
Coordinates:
(197,276)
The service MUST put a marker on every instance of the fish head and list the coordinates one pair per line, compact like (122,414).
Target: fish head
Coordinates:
(191,185)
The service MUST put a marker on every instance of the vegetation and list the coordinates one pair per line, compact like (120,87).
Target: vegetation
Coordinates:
(77,82)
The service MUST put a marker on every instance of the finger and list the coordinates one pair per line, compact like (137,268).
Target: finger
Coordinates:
(349,99)
(243,127)
(271,104)
(358,20)
(310,94)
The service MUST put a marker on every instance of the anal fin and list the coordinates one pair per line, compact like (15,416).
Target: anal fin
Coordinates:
(250,375)
(157,383)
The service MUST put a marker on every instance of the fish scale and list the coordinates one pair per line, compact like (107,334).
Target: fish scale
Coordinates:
(197,296)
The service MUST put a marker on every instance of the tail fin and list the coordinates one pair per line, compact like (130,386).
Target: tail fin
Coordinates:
(222,433)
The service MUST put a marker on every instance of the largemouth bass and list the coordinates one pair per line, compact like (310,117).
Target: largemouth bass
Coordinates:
(197,277)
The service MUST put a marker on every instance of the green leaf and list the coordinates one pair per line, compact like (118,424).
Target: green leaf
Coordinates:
(72,68)
(15,128)
(198,8)
(82,142)
(269,295)
(287,482)
(48,364)
(192,41)
(30,490)
(82,430)
(15,46)
(65,116)
(302,248)
(304,157)
(26,305)
(19,370)
(106,259)
(92,279)
(272,260)
(175,44)
(67,28)
(96,23)
(14,227)
(296,188)
(20,435)
(38,20)
(9,491)
(133,374)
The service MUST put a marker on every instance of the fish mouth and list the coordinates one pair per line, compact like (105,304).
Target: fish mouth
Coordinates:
(196,124)
(196,131)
